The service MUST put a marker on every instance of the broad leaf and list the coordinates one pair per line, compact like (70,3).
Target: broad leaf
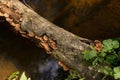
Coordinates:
(24,77)
(111,59)
(106,70)
(117,75)
(89,54)
(115,44)
(14,75)
(110,44)
(116,69)
(102,54)
(117,72)
(107,46)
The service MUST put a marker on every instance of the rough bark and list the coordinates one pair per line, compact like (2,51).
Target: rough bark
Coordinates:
(58,42)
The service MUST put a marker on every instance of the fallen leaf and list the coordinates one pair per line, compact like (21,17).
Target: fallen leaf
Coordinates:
(98,45)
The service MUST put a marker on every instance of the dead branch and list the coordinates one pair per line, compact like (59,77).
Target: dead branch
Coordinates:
(58,42)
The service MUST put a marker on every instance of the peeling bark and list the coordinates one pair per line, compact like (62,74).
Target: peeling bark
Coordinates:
(58,42)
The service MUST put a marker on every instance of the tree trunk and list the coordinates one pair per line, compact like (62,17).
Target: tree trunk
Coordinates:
(61,44)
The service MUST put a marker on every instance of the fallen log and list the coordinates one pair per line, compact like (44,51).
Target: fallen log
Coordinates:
(61,44)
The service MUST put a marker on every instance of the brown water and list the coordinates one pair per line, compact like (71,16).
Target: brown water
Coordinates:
(92,19)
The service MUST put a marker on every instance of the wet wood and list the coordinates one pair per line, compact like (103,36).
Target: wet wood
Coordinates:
(61,44)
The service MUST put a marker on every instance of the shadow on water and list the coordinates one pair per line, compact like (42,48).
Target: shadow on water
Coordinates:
(18,53)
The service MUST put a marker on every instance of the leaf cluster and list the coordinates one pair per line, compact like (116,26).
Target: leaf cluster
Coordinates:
(17,76)
(108,58)
(74,75)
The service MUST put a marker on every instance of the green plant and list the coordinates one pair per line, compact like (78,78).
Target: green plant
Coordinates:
(108,58)
(24,77)
(74,75)
(16,76)
(13,76)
